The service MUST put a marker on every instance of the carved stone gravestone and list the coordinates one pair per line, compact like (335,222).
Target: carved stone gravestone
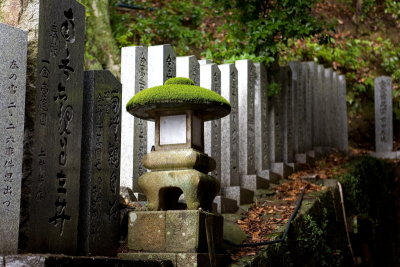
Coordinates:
(210,78)
(161,67)
(261,120)
(344,139)
(294,67)
(383,114)
(188,67)
(50,207)
(134,130)
(13,56)
(101,137)
(229,127)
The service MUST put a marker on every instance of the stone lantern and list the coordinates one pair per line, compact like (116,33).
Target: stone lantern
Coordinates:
(178,164)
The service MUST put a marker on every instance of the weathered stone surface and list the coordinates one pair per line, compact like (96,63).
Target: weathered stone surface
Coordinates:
(54,99)
(238,193)
(301,110)
(134,130)
(186,231)
(210,78)
(308,87)
(246,83)
(13,55)
(383,114)
(261,118)
(173,231)
(335,110)
(100,169)
(178,159)
(47,260)
(179,259)
(205,61)
(286,119)
(229,127)
(294,67)
(274,122)
(187,259)
(225,205)
(314,90)
(163,189)
(146,231)
(328,107)
(161,67)
(188,67)
(318,106)
(343,131)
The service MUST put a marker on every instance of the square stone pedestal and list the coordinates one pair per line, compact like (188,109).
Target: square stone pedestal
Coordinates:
(176,235)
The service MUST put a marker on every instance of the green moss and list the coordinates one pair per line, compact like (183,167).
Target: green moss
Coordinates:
(180,90)
(179,80)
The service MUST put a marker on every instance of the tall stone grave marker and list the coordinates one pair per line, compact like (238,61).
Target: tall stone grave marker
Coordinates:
(188,67)
(286,118)
(301,109)
(229,127)
(295,68)
(317,107)
(50,204)
(344,139)
(246,82)
(161,67)
(262,160)
(328,106)
(101,136)
(308,105)
(134,130)
(383,114)
(13,56)
(210,78)
(335,109)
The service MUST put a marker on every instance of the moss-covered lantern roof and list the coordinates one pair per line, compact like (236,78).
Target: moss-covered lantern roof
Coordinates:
(178,94)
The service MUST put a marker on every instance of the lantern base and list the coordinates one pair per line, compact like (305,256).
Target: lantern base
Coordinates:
(163,189)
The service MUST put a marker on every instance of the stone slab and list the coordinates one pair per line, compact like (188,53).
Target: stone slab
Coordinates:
(254,182)
(241,195)
(229,127)
(307,74)
(146,231)
(343,121)
(286,118)
(100,169)
(180,259)
(328,102)
(282,169)
(188,67)
(274,120)
(225,205)
(246,83)
(50,211)
(386,155)
(210,78)
(134,63)
(261,118)
(269,176)
(161,67)
(186,231)
(13,57)
(383,114)
(173,231)
(50,260)
(294,67)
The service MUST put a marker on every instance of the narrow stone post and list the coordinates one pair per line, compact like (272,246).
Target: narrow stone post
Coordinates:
(383,114)
(210,78)
(188,67)
(13,53)
(344,139)
(134,130)
(161,67)
(99,218)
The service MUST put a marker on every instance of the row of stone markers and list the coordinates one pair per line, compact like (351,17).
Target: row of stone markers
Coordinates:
(60,128)
(384,119)
(266,135)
